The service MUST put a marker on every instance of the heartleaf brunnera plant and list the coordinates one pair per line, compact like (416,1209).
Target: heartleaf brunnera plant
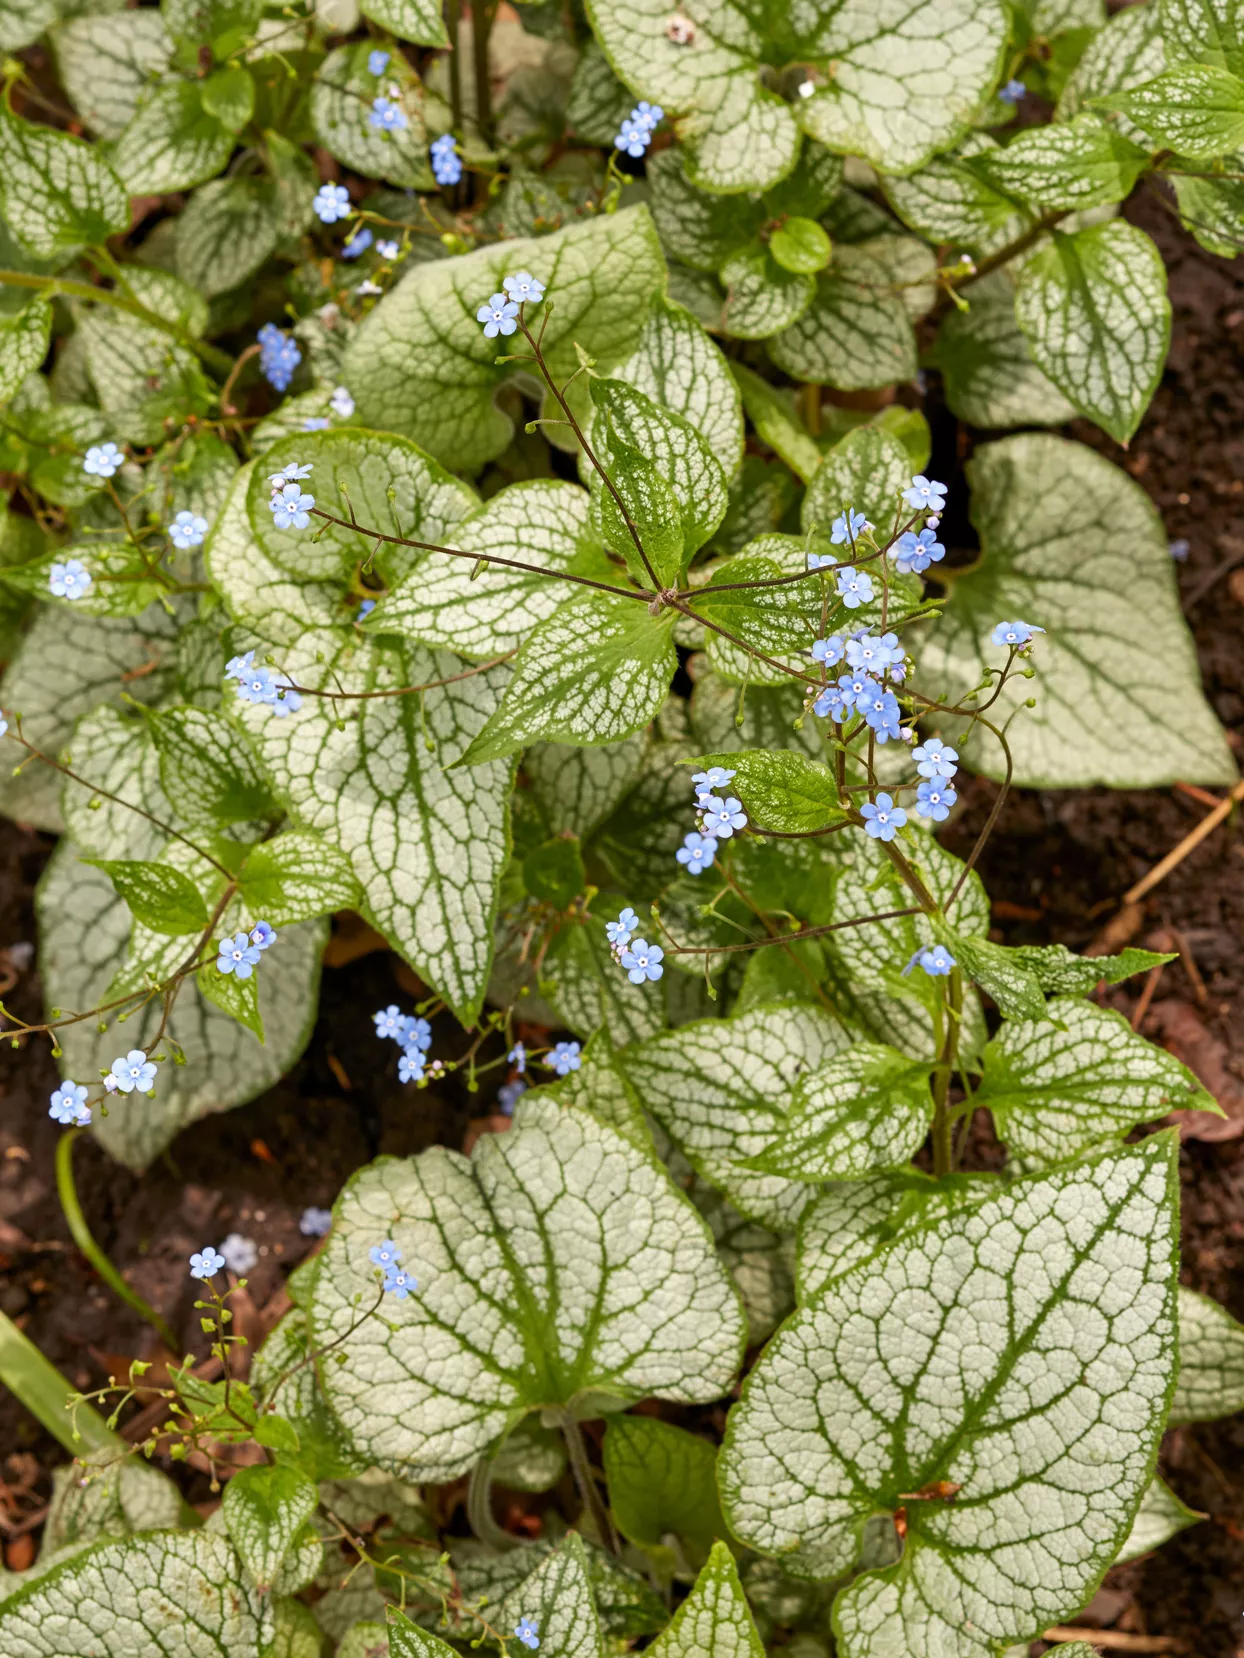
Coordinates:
(471,471)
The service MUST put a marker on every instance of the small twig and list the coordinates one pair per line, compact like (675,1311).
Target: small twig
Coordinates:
(1189,843)
(1117,1640)
(1146,994)
(1189,966)
(226,391)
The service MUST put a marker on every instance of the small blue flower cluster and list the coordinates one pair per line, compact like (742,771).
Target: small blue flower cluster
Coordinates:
(413,1036)
(240,954)
(500,315)
(394,1281)
(290,505)
(69,1105)
(871,659)
(377,62)
(258,685)
(279,356)
(358,244)
(1012,92)
(638,128)
(446,162)
(718,820)
(315,1222)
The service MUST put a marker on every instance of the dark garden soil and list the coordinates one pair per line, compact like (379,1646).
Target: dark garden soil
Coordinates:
(1055,869)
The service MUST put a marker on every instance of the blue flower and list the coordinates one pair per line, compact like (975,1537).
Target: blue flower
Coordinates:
(523,286)
(291,508)
(498,316)
(418,1034)
(883,820)
(4,725)
(722,817)
(936,960)
(1012,92)
(398,1283)
(134,1071)
(1180,548)
(517,1057)
(446,162)
(509,1095)
(187,530)
(315,423)
(256,686)
(1014,633)
(102,460)
(262,935)
(239,1252)
(855,587)
(388,250)
(643,961)
(857,689)
(206,1264)
(696,852)
(618,932)
(377,62)
(291,473)
(387,116)
(69,1105)
(847,526)
(384,1254)
(934,758)
(313,1222)
(822,561)
(934,799)
(411,1065)
(237,667)
(358,244)
(834,702)
(881,711)
(925,495)
(365,609)
(70,580)
(528,1632)
(829,651)
(647,115)
(341,403)
(633,139)
(287,700)
(390,1024)
(237,956)
(716,777)
(279,356)
(912,553)
(874,655)
(332,202)
(564,1058)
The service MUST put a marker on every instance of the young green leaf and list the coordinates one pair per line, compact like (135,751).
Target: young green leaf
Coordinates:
(722,1089)
(58,192)
(1210,1382)
(146,1587)
(208,767)
(800,246)
(673,447)
(684,372)
(639,517)
(407,1640)
(1094,309)
(1070,543)
(596,671)
(1079,1076)
(159,896)
(1016,992)
(1020,1483)
(1194,109)
(771,412)
(296,877)
(264,1510)
(600,273)
(715,1620)
(1066,167)
(866,1109)
(238,998)
(494,1331)
(781,790)
(662,1479)
(1060,972)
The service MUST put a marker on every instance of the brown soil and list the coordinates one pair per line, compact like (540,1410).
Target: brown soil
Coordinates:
(1055,870)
